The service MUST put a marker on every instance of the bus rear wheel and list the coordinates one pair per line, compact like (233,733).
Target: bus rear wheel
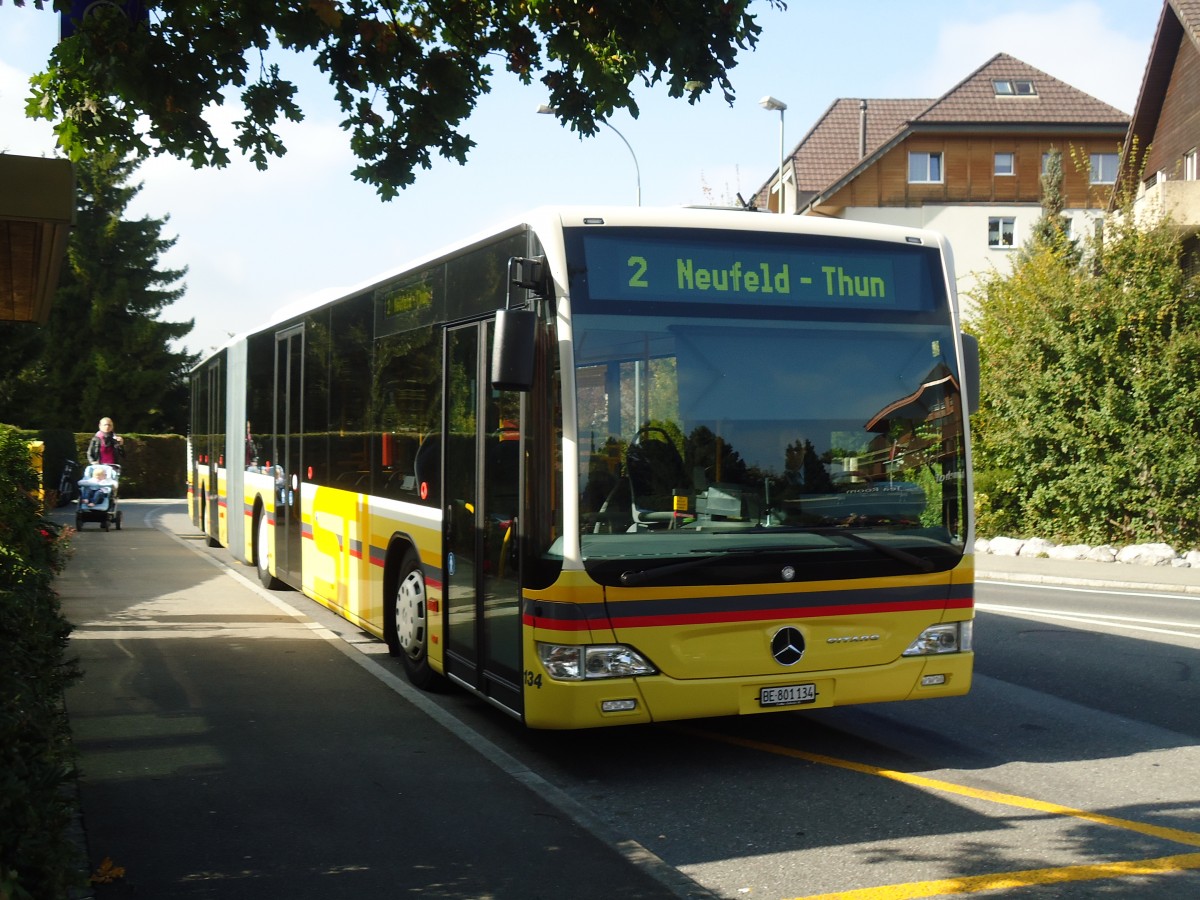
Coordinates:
(408,636)
(262,533)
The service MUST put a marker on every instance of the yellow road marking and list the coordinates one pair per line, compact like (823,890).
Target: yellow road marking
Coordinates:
(1178,836)
(995,881)
(1027,878)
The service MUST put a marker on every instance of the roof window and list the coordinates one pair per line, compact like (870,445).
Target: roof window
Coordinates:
(1014,88)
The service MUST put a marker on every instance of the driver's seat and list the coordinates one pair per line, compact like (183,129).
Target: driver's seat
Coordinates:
(656,472)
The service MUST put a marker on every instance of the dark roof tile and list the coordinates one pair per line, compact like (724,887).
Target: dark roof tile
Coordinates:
(833,145)
(974,100)
(832,148)
(1189,15)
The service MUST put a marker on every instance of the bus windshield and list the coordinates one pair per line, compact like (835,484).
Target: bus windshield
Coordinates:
(712,430)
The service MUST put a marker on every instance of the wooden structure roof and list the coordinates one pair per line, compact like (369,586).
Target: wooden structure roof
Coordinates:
(37,210)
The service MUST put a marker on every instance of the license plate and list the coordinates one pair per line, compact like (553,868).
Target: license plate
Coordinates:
(788,695)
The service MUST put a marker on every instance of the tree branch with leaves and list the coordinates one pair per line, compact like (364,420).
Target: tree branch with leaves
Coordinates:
(406,73)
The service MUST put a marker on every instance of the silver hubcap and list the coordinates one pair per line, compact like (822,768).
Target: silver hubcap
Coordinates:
(260,556)
(410,615)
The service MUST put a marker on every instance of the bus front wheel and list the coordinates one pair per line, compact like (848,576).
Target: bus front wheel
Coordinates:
(408,634)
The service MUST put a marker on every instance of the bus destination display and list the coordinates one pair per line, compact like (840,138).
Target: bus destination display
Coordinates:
(624,268)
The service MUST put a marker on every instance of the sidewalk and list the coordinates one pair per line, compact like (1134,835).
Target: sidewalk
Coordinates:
(231,747)
(1084,573)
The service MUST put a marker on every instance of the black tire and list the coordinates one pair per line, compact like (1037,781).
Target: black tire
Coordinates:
(262,526)
(209,540)
(407,625)
(117,521)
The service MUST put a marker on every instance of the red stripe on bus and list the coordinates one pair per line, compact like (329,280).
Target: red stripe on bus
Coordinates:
(561,625)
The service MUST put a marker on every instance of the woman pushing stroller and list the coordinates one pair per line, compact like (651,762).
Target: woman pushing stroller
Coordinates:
(98,490)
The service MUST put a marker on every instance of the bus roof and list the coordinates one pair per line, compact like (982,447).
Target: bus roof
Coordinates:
(547,219)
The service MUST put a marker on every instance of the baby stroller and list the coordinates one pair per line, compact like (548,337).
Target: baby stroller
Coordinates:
(98,497)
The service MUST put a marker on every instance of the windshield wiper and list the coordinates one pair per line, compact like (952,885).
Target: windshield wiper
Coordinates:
(632,579)
(917,562)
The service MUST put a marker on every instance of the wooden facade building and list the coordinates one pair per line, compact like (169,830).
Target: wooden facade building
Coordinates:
(1164,136)
(968,163)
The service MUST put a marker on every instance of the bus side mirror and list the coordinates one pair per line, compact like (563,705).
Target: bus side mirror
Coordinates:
(970,373)
(513,349)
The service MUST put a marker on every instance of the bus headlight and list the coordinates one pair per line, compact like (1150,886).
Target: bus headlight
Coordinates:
(571,662)
(953,637)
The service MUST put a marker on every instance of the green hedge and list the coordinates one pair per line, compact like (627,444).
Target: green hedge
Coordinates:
(37,857)
(1089,412)
(155,465)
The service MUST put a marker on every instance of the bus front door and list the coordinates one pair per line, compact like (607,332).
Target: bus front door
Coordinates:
(482,466)
(289,393)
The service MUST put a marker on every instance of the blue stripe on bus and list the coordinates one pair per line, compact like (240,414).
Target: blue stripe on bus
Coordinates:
(754,607)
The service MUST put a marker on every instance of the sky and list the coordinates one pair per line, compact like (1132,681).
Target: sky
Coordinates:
(253,241)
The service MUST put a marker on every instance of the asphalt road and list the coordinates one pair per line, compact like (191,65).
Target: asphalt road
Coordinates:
(244,744)
(1131,653)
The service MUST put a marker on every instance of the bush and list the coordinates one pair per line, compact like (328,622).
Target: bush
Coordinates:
(37,859)
(997,503)
(1091,389)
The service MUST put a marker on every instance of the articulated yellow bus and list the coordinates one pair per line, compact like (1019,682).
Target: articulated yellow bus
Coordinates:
(607,466)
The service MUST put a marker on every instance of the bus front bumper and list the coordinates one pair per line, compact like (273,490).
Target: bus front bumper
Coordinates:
(658,698)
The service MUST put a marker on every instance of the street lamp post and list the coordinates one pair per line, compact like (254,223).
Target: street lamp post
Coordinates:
(545,110)
(770,104)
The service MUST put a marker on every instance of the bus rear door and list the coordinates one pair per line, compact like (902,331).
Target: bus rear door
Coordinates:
(289,394)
